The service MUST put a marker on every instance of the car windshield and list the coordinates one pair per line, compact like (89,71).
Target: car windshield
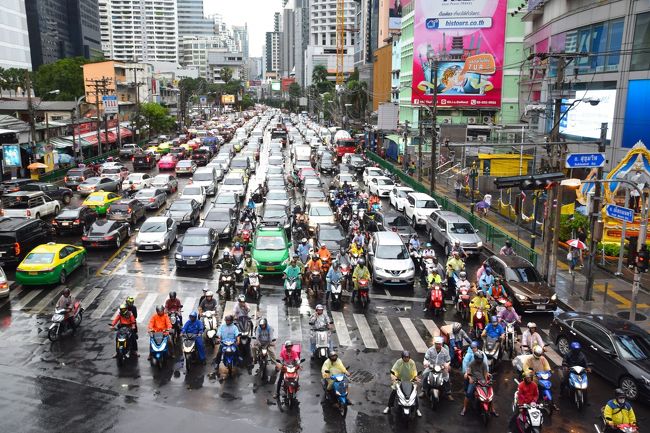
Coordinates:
(184,206)
(39,258)
(145,193)
(69,213)
(95,199)
(160,180)
(225,199)
(270,243)
(120,207)
(329,235)
(523,274)
(196,240)
(320,211)
(239,163)
(348,179)
(203,176)
(461,228)
(384,182)
(184,163)
(192,190)
(217,216)
(276,195)
(233,181)
(91,181)
(392,252)
(632,347)
(100,229)
(426,204)
(153,227)
(274,213)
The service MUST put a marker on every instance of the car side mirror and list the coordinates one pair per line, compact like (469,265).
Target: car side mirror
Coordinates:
(371,253)
(443,230)
(476,231)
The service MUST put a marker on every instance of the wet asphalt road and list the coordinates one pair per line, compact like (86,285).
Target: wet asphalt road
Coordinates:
(74,385)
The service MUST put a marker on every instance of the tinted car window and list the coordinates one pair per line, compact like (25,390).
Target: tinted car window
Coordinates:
(594,334)
(523,274)
(633,347)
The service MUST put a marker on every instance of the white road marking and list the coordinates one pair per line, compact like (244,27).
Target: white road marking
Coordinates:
(162,277)
(48,301)
(365,332)
(272,317)
(431,327)
(105,304)
(12,296)
(414,335)
(295,328)
(189,305)
(29,297)
(396,298)
(90,297)
(341,329)
(389,333)
(143,311)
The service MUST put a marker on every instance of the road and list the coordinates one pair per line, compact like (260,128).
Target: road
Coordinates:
(75,385)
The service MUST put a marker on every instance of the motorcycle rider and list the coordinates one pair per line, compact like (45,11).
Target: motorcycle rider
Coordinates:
(487,280)
(414,242)
(457,247)
(303,250)
(404,369)
(334,275)
(476,370)
(264,337)
(437,354)
(428,252)
(241,309)
(618,411)
(373,200)
(248,266)
(359,239)
(433,280)
(66,302)
(527,393)
(195,326)
(469,356)
(355,224)
(456,335)
(160,322)
(292,271)
(287,356)
(496,291)
(209,303)
(324,254)
(493,330)
(574,357)
(537,362)
(507,250)
(227,331)
(130,305)
(314,265)
(237,250)
(454,266)
(125,318)
(509,314)
(318,320)
(227,262)
(478,302)
(356,248)
(332,365)
(360,272)
(174,305)
(531,338)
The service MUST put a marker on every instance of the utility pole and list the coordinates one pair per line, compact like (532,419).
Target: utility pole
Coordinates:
(101,88)
(434,122)
(421,140)
(137,84)
(30,110)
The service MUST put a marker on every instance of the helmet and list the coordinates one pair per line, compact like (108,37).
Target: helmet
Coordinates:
(288,343)
(193,315)
(531,325)
(508,244)
(209,293)
(295,257)
(241,298)
(237,244)
(123,308)
(332,354)
(508,304)
(456,242)
(474,345)
(226,254)
(493,319)
(575,346)
(160,309)
(172,295)
(438,340)
(457,327)
(488,271)
(130,300)
(537,351)
(529,374)
(66,292)
(319,307)
(428,245)
(205,289)
(478,356)
(620,393)
(462,275)
(362,262)
(229,318)
(406,354)
(303,240)
(481,293)
(315,256)
(263,322)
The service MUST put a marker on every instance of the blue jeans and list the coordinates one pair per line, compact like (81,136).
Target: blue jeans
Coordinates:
(469,389)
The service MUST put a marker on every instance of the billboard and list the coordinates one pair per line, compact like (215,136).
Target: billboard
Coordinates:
(275,86)
(395,14)
(286,82)
(11,155)
(581,119)
(637,116)
(227,99)
(466,40)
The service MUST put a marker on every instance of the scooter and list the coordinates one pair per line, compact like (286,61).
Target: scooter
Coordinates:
(335,293)
(123,345)
(492,349)
(436,303)
(462,304)
(483,396)
(210,327)
(338,395)
(529,419)
(263,362)
(545,394)
(253,291)
(175,319)
(363,293)
(227,283)
(190,351)
(435,384)
(229,355)
(292,292)
(287,398)
(407,394)
(60,326)
(314,283)
(578,385)
(322,337)
(510,339)
(245,326)
(478,323)
(159,349)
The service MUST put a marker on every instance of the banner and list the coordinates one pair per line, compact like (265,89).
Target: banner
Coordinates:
(227,99)
(637,117)
(11,155)
(466,40)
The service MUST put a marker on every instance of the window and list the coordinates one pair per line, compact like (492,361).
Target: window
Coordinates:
(641,47)
(594,334)
(595,39)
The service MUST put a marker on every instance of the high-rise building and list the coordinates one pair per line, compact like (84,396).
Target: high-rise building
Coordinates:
(301,38)
(191,20)
(62,28)
(14,39)
(139,29)
(287,55)
(193,52)
(240,34)
(272,55)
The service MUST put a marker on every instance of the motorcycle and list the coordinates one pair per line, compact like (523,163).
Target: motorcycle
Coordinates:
(335,293)
(578,385)
(478,323)
(545,394)
(338,395)
(363,293)
(314,283)
(322,337)
(416,256)
(510,339)
(483,396)
(435,384)
(61,326)
(190,351)
(245,326)
(123,344)
(287,398)
(492,349)
(253,291)
(229,355)
(175,319)
(159,349)
(426,267)
(263,362)
(227,283)
(530,418)
(210,327)
(407,394)
(292,292)
(462,304)
(237,254)
(435,301)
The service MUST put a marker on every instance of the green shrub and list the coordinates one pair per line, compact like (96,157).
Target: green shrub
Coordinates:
(569,225)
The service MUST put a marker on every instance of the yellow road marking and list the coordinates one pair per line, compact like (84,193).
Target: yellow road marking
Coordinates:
(110,259)
(121,262)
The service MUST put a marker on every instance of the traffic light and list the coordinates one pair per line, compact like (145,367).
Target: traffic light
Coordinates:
(527,183)
(642,260)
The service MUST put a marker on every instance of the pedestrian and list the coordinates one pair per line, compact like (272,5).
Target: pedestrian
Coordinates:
(412,169)
(582,237)
(573,257)
(458,187)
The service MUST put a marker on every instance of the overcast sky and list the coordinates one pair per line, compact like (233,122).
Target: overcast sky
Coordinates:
(257,13)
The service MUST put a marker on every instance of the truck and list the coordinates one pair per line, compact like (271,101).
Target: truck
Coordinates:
(301,152)
(29,204)
(128,150)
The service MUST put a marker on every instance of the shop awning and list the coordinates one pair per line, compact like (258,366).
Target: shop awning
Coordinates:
(61,142)
(125,132)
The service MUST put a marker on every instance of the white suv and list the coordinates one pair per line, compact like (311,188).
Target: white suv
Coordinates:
(419,206)
(389,260)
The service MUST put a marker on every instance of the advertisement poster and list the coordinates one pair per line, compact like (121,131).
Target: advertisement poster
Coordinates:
(582,119)
(466,39)
(11,155)
(395,14)
(637,117)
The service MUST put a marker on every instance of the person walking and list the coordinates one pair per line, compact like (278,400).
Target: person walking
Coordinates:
(458,187)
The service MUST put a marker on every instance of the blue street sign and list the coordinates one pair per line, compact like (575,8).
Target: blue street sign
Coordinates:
(620,213)
(585,160)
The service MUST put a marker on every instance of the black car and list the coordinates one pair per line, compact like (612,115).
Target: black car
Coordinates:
(327,163)
(222,220)
(277,214)
(332,236)
(618,350)
(106,233)
(227,200)
(201,157)
(18,236)
(185,212)
(128,210)
(76,220)
(143,161)
(397,222)
(356,163)
(75,176)
(62,194)
(197,249)
(14,185)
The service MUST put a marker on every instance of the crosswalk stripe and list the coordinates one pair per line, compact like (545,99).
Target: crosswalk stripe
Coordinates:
(29,297)
(12,295)
(143,311)
(106,303)
(272,317)
(189,305)
(431,327)
(365,332)
(389,333)
(414,335)
(90,297)
(48,301)
(341,329)
(295,329)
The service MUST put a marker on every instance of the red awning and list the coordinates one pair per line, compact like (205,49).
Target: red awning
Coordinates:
(112,137)
(124,132)
(91,138)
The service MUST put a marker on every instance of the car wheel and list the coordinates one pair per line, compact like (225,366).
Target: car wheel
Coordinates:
(563,345)
(38,216)
(67,199)
(414,222)
(630,387)
(83,261)
(62,277)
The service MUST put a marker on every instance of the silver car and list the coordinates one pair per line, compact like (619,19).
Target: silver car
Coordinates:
(165,181)
(157,233)
(277,196)
(390,261)
(447,228)
(96,184)
(152,198)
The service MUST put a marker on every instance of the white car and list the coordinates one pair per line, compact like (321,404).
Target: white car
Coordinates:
(419,206)
(194,192)
(380,185)
(156,234)
(341,178)
(4,284)
(398,195)
(277,196)
(370,172)
(137,181)
(319,213)
(234,183)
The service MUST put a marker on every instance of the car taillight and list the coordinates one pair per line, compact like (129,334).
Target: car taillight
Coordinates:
(65,179)
(16,248)
(84,238)
(151,200)
(82,178)
(129,210)
(28,212)
(133,159)
(54,222)
(4,285)
(76,221)
(147,159)
(2,212)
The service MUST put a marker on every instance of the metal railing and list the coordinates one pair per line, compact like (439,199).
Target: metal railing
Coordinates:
(55,175)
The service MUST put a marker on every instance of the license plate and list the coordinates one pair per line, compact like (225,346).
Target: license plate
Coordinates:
(33,273)
(65,224)
(396,281)
(148,247)
(541,307)
(191,262)
(270,268)
(95,244)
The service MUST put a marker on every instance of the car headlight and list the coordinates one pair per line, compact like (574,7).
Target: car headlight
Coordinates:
(205,257)
(521,297)
(479,244)
(378,269)
(554,297)
(178,257)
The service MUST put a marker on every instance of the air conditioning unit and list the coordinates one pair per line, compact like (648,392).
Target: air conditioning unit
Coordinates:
(511,136)
(471,138)
(482,138)
(487,120)
(446,120)
(471,120)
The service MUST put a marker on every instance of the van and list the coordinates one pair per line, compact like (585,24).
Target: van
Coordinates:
(18,236)
(207,178)
(301,153)
(390,261)
(75,176)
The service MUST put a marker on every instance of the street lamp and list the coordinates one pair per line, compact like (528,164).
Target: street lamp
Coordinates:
(74,123)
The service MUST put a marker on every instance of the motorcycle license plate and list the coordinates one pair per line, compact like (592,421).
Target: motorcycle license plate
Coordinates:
(541,307)
(33,273)
(191,262)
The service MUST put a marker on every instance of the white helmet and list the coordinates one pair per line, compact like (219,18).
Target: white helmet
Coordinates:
(209,293)
(531,325)
(438,340)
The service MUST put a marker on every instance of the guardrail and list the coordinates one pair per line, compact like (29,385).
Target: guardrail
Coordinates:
(55,175)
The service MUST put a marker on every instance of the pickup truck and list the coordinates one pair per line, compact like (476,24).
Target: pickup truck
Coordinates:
(29,204)
(62,194)
(446,228)
(128,150)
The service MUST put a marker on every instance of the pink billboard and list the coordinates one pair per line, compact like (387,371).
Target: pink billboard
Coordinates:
(466,40)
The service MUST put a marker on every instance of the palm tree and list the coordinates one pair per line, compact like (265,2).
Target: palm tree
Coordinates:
(226,74)
(319,74)
(358,97)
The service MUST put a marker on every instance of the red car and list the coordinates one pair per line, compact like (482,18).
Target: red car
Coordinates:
(345,145)
(167,162)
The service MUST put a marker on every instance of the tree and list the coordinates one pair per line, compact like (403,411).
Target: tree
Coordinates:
(247,102)
(13,79)
(319,77)
(155,118)
(295,92)
(357,95)
(65,75)
(226,74)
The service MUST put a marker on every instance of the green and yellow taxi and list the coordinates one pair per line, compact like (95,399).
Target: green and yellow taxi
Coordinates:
(100,201)
(163,148)
(50,264)
(270,249)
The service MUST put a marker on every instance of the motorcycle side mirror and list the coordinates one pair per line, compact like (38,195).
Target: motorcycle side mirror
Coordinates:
(327,371)
(302,360)
(371,253)
(278,361)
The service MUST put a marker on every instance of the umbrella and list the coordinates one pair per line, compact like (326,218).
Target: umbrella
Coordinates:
(64,158)
(482,205)
(577,243)
(36,166)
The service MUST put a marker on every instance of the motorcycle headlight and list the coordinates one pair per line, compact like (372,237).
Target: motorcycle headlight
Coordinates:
(178,257)
(554,297)
(286,261)
(226,230)
(205,257)
(479,244)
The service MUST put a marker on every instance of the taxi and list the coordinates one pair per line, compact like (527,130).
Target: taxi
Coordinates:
(271,249)
(163,148)
(100,201)
(50,264)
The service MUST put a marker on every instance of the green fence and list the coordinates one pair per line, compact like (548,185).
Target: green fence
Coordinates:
(494,237)
(55,175)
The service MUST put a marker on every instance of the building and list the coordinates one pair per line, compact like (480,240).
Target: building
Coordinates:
(62,28)
(240,34)
(396,63)
(194,51)
(255,68)
(287,43)
(220,58)
(14,39)
(135,30)
(366,42)
(273,50)
(191,19)
(614,78)
(321,49)
(301,38)
(382,76)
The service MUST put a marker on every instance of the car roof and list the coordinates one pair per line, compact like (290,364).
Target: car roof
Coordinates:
(198,230)
(128,200)
(99,193)
(388,238)
(612,323)
(512,261)
(11,224)
(28,194)
(450,216)
(420,196)
(156,219)
(204,169)
(50,247)
(270,231)
(403,188)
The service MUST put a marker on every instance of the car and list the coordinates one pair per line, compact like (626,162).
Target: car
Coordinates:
(18,236)
(198,248)
(270,249)
(129,210)
(277,196)
(96,184)
(201,157)
(4,284)
(305,172)
(101,201)
(277,161)
(398,223)
(120,170)
(62,194)
(29,205)
(128,150)
(14,185)
(397,196)
(75,176)
(227,200)
(185,212)
(168,162)
(106,234)
(275,170)
(419,206)
(355,162)
(144,160)
(234,183)
(165,181)
(276,182)
(327,163)
(222,220)
(312,195)
(370,172)
(332,236)
(71,221)
(207,178)
(389,260)
(50,263)
(194,192)
(312,182)
(151,198)
(319,213)
(446,228)
(179,152)
(137,181)
(618,350)
(523,283)
(277,214)
(341,178)
(185,166)
(380,185)
(242,163)
(157,233)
